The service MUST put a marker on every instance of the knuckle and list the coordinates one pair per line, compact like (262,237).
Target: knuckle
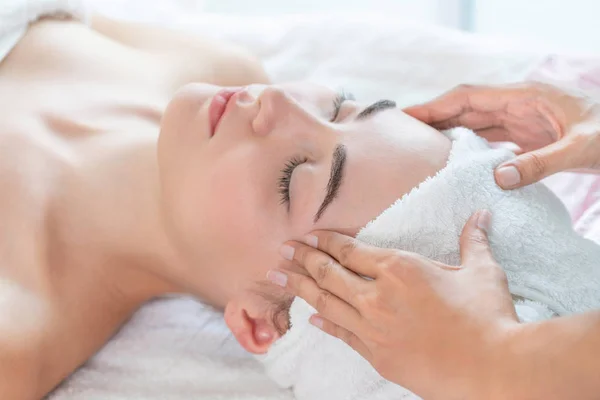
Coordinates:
(346,252)
(463,87)
(366,301)
(377,304)
(394,259)
(324,269)
(498,273)
(535,165)
(389,266)
(386,262)
(323,300)
(478,239)
(399,264)
(325,239)
(301,255)
(345,335)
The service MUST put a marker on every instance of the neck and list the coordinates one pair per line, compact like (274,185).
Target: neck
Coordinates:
(108,217)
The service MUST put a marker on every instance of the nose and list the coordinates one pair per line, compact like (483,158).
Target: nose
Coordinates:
(275,106)
(272,107)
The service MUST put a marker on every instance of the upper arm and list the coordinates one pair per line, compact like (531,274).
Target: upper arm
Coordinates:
(21,326)
(19,369)
(194,57)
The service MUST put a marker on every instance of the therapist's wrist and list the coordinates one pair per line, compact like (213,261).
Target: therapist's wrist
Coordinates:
(500,354)
(485,368)
(520,366)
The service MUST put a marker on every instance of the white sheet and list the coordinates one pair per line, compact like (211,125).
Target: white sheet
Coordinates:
(179,349)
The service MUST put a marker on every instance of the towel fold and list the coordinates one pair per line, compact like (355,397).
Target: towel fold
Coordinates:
(551,270)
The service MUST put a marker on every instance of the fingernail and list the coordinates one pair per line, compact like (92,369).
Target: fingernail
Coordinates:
(311,240)
(287,252)
(278,278)
(484,221)
(316,321)
(508,176)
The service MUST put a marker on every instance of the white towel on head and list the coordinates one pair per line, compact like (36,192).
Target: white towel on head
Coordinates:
(551,270)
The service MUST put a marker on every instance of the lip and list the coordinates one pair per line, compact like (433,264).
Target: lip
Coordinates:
(218,106)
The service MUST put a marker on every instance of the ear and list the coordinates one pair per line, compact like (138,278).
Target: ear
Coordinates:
(252,329)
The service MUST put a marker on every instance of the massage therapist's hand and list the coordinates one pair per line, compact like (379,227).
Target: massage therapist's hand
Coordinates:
(422,324)
(556,130)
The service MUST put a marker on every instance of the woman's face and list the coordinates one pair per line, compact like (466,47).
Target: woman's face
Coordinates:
(282,161)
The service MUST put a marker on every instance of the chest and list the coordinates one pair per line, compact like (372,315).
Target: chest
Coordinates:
(64,88)
(63,85)
(73,81)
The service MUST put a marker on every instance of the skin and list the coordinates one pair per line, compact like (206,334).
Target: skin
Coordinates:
(115,192)
(487,352)
(235,173)
(555,129)
(419,321)
(363,313)
(83,244)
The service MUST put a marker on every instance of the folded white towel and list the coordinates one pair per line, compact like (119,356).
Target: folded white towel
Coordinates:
(550,268)
(16,15)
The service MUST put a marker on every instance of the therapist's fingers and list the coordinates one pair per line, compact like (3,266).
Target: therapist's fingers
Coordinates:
(478,260)
(443,108)
(341,333)
(349,252)
(474,120)
(494,134)
(326,303)
(536,165)
(473,106)
(325,270)
(474,245)
(465,105)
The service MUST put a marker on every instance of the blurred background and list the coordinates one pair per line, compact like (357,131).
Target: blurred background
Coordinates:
(565,25)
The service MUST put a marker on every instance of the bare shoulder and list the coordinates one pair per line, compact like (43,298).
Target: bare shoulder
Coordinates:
(21,324)
(195,57)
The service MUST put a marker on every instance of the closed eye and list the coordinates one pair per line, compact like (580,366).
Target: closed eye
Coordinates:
(339,99)
(285,179)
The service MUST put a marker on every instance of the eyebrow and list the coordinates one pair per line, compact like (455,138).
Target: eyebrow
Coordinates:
(375,108)
(335,179)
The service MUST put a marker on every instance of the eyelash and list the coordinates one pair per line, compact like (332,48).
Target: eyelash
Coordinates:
(337,103)
(286,177)
(290,166)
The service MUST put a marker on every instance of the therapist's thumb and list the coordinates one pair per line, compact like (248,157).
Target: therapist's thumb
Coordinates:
(533,166)
(474,245)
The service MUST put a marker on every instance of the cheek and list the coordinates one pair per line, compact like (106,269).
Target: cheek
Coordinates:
(241,223)
(229,204)
(184,121)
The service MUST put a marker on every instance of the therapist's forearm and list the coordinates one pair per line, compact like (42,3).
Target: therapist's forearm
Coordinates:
(554,359)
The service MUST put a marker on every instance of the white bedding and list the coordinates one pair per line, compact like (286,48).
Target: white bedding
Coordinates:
(177,348)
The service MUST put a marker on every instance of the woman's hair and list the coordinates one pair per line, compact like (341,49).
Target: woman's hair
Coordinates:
(279,305)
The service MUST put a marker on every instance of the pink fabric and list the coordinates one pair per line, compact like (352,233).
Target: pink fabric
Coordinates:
(579,192)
